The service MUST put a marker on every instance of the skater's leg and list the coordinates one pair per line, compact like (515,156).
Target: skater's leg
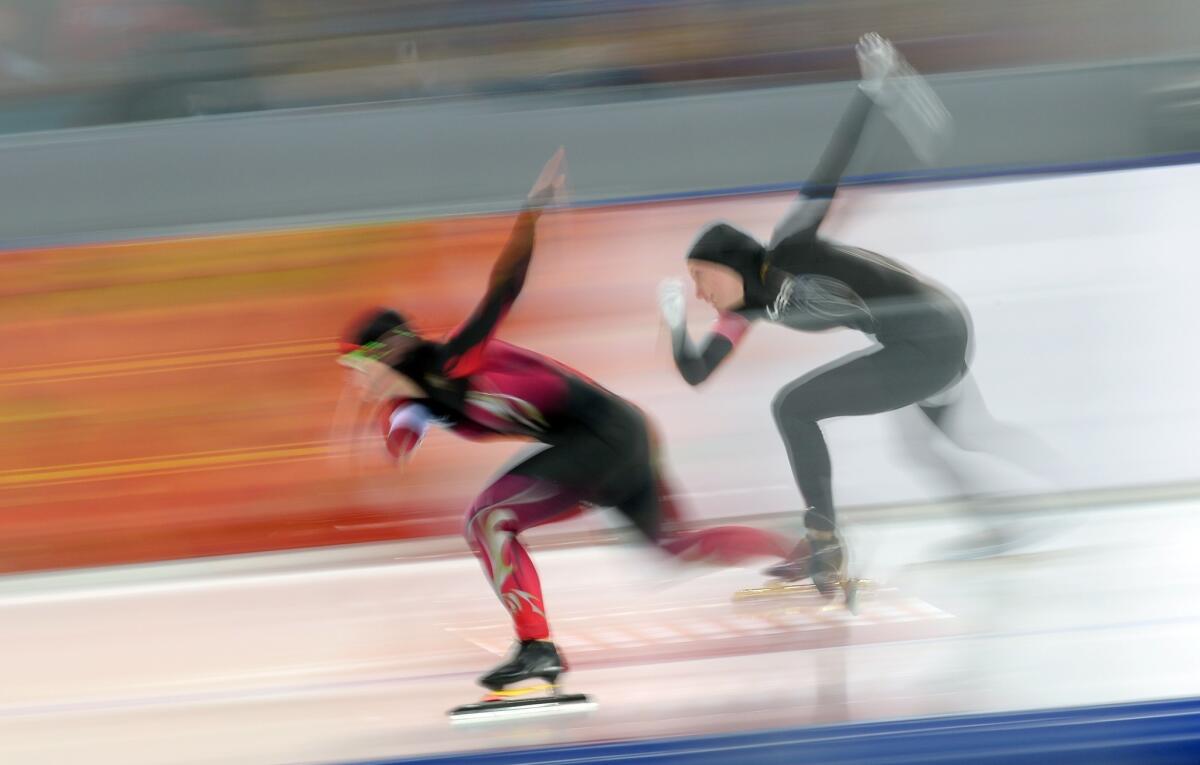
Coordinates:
(719,545)
(654,508)
(725,545)
(920,445)
(879,380)
(530,494)
(508,506)
(963,416)
(548,485)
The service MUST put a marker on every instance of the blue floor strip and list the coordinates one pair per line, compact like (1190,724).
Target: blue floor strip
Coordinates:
(1148,733)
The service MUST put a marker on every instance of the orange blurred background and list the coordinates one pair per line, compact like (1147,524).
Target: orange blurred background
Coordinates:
(174,398)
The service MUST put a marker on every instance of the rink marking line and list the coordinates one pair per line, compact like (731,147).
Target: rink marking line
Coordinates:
(197,698)
(616,637)
(697,629)
(764,626)
(747,625)
(584,636)
(123,703)
(664,634)
(571,642)
(921,605)
(214,583)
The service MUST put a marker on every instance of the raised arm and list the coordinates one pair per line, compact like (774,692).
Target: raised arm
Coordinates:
(465,345)
(809,210)
(905,99)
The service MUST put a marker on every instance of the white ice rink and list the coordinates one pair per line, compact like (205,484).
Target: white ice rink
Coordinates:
(343,655)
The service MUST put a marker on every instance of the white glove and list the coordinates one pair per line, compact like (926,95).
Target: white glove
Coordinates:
(672,303)
(406,428)
(904,96)
(877,59)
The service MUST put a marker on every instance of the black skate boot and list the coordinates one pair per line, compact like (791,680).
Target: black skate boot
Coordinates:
(531,659)
(827,563)
(821,558)
(793,568)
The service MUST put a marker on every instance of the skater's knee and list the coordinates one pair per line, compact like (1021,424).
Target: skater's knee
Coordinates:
(640,503)
(791,406)
(470,531)
(485,521)
(779,407)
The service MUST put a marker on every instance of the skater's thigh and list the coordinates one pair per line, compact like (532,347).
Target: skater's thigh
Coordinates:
(605,459)
(637,496)
(881,379)
(609,461)
(630,482)
(580,460)
(528,494)
(607,454)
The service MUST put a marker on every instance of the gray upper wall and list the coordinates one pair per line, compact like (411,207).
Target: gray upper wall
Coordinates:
(428,158)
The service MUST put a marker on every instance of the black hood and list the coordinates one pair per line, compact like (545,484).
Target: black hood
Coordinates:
(727,246)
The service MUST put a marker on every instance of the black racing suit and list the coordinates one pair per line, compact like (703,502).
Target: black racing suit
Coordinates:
(811,284)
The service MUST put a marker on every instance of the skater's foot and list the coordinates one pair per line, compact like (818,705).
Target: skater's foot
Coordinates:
(819,557)
(531,660)
(793,568)
(827,561)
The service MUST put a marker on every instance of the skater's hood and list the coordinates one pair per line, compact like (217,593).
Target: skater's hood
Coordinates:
(727,246)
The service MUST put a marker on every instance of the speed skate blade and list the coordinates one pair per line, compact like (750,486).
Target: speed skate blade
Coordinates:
(482,711)
(851,590)
(776,589)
